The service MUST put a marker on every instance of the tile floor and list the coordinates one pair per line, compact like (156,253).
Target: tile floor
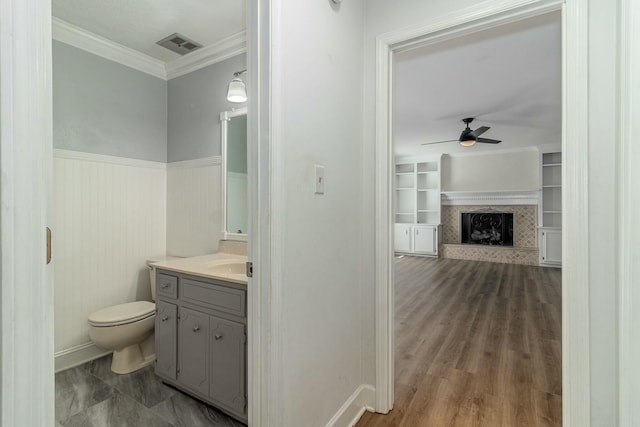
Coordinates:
(91,395)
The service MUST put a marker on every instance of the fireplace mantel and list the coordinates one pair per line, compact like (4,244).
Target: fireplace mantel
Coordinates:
(490,198)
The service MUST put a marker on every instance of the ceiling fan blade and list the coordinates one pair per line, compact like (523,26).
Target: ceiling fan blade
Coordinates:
(482,129)
(488,141)
(439,142)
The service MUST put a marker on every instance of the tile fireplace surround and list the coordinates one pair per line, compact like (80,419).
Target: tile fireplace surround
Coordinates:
(525,242)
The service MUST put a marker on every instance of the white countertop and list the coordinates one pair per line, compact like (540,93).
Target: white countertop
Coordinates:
(201,266)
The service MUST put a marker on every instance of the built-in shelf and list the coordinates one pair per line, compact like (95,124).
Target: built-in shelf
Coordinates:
(417,199)
(549,234)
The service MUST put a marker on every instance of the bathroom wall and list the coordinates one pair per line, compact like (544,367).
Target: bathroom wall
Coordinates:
(110,188)
(195,101)
(117,201)
(103,107)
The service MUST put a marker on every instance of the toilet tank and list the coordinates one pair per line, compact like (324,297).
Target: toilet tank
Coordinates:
(152,272)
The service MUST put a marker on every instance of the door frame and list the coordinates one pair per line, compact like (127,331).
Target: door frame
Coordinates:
(575,273)
(26,159)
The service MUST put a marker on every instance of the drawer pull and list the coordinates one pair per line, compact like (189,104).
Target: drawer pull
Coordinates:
(164,285)
(165,318)
(196,328)
(218,337)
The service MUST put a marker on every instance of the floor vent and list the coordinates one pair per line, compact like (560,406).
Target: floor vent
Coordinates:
(179,44)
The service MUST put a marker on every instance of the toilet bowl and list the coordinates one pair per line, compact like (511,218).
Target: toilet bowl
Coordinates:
(127,330)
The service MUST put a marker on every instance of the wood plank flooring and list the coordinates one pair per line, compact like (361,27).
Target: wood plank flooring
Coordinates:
(478,344)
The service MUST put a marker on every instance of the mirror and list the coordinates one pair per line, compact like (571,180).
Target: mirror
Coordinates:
(234,174)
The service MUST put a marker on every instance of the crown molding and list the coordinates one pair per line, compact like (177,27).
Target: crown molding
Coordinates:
(217,52)
(82,39)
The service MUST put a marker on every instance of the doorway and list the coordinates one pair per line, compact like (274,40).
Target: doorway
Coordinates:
(574,316)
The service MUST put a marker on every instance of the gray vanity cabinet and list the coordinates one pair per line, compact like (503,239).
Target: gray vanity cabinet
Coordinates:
(166,335)
(192,350)
(228,380)
(201,345)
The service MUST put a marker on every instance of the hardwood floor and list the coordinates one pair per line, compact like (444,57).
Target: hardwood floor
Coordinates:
(477,344)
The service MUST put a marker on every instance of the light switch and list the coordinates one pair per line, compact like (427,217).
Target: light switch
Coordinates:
(319,179)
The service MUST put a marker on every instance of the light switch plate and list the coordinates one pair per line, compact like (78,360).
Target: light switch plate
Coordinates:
(319,173)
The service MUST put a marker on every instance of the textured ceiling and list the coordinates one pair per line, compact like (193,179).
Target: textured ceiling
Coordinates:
(139,24)
(509,78)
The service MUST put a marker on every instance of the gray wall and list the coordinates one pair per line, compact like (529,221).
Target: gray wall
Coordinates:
(102,107)
(195,103)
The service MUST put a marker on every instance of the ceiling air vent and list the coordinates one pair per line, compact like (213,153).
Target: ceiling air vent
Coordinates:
(179,44)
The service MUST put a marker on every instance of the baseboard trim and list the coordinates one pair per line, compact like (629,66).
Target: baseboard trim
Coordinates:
(363,399)
(77,355)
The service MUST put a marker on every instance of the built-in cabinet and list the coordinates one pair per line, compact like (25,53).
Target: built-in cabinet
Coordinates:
(417,207)
(550,209)
(201,339)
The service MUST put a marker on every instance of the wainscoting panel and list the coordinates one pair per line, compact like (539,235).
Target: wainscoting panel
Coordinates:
(110,217)
(194,217)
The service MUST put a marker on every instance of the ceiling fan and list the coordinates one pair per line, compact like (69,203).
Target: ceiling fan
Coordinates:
(469,137)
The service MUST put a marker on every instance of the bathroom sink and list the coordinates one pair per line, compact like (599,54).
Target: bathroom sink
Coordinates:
(229,267)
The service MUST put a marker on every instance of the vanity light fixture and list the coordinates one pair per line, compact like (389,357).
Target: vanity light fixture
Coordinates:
(237,91)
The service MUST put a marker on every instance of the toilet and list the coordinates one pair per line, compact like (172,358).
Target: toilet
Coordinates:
(127,329)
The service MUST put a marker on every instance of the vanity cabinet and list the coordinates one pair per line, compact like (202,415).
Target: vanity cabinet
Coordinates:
(201,339)
(166,339)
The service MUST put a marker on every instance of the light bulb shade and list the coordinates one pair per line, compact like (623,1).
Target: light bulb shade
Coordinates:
(468,143)
(237,92)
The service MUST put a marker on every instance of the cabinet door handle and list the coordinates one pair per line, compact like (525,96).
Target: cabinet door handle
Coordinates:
(218,337)
(164,319)
(196,328)
(406,231)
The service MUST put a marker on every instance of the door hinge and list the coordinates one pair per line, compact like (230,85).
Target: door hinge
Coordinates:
(249,269)
(48,245)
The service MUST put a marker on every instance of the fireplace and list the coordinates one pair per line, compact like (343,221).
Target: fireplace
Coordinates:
(487,227)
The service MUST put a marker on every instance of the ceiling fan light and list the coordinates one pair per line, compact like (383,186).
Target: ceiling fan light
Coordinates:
(468,143)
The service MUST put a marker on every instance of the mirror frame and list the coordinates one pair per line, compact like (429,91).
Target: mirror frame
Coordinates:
(225,116)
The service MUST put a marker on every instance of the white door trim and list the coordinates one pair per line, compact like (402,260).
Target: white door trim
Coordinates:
(26,158)
(628,232)
(260,305)
(575,320)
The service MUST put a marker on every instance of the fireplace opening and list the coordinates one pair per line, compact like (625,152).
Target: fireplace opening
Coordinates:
(487,228)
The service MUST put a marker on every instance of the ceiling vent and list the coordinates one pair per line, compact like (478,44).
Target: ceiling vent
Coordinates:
(179,44)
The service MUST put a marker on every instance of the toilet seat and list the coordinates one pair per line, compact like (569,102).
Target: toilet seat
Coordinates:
(122,314)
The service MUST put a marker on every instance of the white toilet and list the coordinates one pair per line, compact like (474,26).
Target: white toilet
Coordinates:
(127,329)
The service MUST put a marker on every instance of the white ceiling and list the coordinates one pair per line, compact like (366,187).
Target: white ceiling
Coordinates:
(509,78)
(139,24)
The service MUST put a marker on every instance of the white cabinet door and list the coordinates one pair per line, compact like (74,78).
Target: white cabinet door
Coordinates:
(425,239)
(551,246)
(402,237)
